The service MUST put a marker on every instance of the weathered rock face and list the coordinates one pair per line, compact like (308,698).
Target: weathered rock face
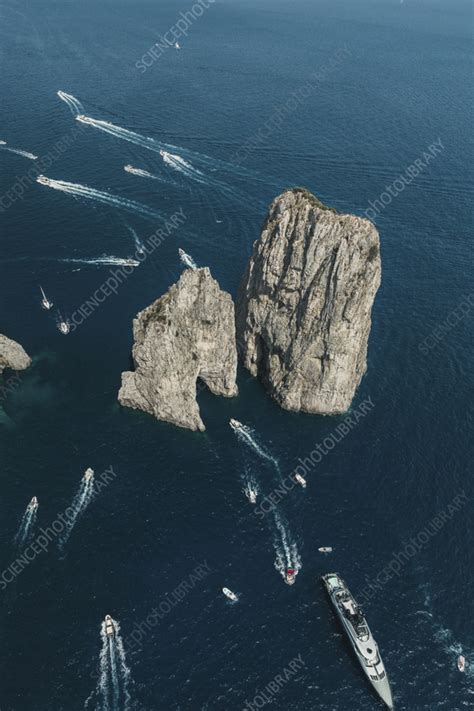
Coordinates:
(188,333)
(303,309)
(12,355)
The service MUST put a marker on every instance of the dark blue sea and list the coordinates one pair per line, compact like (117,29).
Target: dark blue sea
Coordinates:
(383,81)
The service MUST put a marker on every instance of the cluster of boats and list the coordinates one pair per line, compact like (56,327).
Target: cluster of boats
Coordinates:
(63,324)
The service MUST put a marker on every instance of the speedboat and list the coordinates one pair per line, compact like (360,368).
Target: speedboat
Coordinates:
(33,505)
(109,626)
(186,258)
(129,168)
(301,480)
(290,576)
(325,549)
(251,493)
(88,474)
(43,180)
(64,327)
(461,663)
(45,302)
(359,635)
(84,119)
(231,595)
(235,424)
(129,262)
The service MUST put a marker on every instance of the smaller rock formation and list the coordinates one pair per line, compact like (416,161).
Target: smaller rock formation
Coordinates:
(188,333)
(304,305)
(12,355)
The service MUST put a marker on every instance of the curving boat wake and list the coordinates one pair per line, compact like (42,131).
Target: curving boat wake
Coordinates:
(20,152)
(287,555)
(247,436)
(139,246)
(73,103)
(27,525)
(153,144)
(79,504)
(145,174)
(100,196)
(112,690)
(105,261)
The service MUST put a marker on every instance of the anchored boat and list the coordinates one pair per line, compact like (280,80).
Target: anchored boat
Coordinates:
(359,635)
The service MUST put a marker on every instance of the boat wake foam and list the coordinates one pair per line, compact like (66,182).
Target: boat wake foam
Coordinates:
(100,196)
(139,246)
(287,555)
(18,151)
(112,691)
(247,435)
(79,504)
(26,531)
(73,103)
(145,174)
(104,261)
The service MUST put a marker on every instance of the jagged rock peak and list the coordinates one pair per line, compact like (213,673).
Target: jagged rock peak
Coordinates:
(304,306)
(186,334)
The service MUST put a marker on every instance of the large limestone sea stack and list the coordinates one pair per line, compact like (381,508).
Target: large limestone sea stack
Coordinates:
(188,333)
(304,305)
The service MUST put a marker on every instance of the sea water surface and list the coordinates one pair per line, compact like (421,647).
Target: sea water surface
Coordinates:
(393,78)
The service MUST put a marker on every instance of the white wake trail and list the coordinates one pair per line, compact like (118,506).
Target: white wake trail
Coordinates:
(104,261)
(154,145)
(73,103)
(18,151)
(79,504)
(146,174)
(138,243)
(287,555)
(112,691)
(99,196)
(187,260)
(27,525)
(245,433)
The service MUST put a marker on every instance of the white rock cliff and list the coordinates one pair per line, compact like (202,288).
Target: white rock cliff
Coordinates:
(304,306)
(188,333)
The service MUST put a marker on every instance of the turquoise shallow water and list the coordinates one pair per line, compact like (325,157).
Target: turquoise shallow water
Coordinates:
(176,501)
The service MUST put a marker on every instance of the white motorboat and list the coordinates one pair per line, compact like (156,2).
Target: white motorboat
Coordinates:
(109,626)
(461,663)
(301,480)
(43,180)
(45,302)
(290,576)
(33,505)
(88,474)
(235,424)
(231,595)
(83,119)
(325,549)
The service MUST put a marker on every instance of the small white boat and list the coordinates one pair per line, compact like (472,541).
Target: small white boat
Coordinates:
(45,302)
(176,45)
(231,595)
(43,180)
(461,663)
(251,492)
(3,143)
(64,327)
(235,424)
(301,480)
(325,549)
(187,260)
(109,626)
(83,119)
(290,576)
(88,474)
(33,505)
